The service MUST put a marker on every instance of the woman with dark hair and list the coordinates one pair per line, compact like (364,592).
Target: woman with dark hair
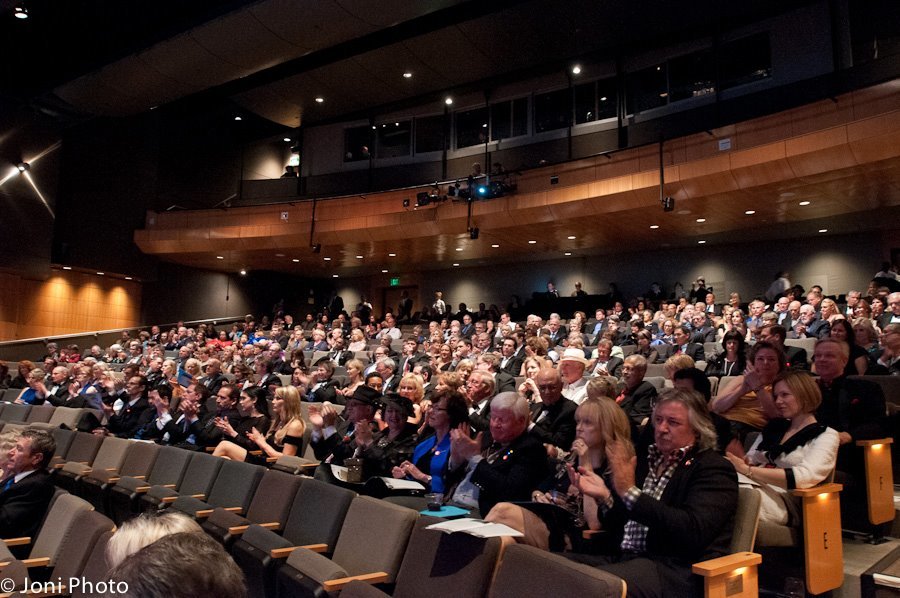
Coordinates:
(731,361)
(254,409)
(793,451)
(431,456)
(298,360)
(386,449)
(643,339)
(747,403)
(858,363)
(21,380)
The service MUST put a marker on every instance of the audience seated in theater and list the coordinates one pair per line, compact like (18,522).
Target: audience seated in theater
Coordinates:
(386,449)
(675,508)
(858,362)
(284,437)
(888,360)
(636,394)
(503,382)
(181,565)
(552,414)
(412,388)
(643,347)
(479,389)
(747,402)
(599,423)
(793,450)
(322,386)
(809,324)
(8,440)
(265,373)
(892,313)
(732,360)
(31,394)
(676,363)
(684,345)
(134,413)
(26,488)
(481,474)
(794,357)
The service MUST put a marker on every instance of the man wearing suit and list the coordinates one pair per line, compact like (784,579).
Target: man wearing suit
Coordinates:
(888,361)
(58,392)
(810,324)
(703,332)
(601,325)
(553,419)
(509,363)
(675,507)
(709,306)
(214,377)
(892,313)
(332,437)
(323,387)
(684,345)
(479,390)
(387,369)
(555,330)
(337,355)
(605,364)
(135,412)
(637,395)
(26,490)
(781,311)
(503,381)
(468,328)
(410,355)
(795,357)
(265,371)
(508,469)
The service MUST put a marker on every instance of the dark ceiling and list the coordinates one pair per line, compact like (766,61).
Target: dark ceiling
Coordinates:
(79,58)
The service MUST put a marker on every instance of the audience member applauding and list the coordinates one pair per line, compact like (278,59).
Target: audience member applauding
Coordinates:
(284,437)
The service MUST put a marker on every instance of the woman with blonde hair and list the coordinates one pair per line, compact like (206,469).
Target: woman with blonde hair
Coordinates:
(355,369)
(412,388)
(599,422)
(285,435)
(357,341)
(677,362)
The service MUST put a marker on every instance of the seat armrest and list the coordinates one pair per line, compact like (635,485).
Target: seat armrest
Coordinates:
(142,489)
(280,553)
(17,541)
(334,585)
(726,564)
(43,561)
(817,490)
(874,443)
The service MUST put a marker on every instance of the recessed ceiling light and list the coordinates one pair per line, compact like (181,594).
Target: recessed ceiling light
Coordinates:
(67,267)
(455,265)
(823,230)
(238,118)
(220,257)
(327,259)
(448,101)
(243,273)
(319,100)
(805,203)
(128,278)
(392,255)
(101,273)
(568,253)
(384,271)
(407,75)
(279,255)
(654,226)
(459,248)
(495,245)
(576,70)
(701,220)
(359,257)
(334,275)
(21,12)
(288,139)
(532,242)
(572,237)
(750,212)
(701,242)
(603,98)
(295,260)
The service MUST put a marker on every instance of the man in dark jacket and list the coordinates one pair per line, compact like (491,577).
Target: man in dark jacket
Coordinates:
(26,490)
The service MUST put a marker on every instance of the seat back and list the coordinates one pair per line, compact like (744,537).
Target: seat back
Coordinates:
(441,565)
(40,414)
(14,412)
(112,453)
(140,459)
(170,465)
(234,484)
(529,571)
(317,513)
(56,525)
(386,528)
(68,416)
(63,440)
(273,497)
(200,474)
(84,447)
(78,543)
(96,568)
(746,520)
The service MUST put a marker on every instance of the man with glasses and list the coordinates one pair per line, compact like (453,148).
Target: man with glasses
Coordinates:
(892,313)
(553,418)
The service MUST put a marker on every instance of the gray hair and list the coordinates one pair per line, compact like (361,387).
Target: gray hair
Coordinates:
(698,414)
(143,530)
(511,401)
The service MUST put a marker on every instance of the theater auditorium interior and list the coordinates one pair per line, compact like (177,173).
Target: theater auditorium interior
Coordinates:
(614,170)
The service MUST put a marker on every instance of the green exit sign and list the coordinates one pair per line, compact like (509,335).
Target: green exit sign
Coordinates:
(395,282)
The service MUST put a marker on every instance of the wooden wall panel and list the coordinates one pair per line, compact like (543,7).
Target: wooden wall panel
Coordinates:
(66,303)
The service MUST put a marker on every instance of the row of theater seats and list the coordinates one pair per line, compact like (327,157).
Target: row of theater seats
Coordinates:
(291,535)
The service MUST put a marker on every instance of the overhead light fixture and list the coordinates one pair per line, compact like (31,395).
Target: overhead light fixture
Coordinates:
(238,118)
(384,271)
(750,212)
(532,242)
(448,100)
(823,230)
(243,272)
(334,275)
(67,267)
(279,255)
(327,259)
(459,248)
(576,70)
(495,245)
(392,255)
(21,11)
(23,166)
(455,265)
(603,98)
(701,242)
(101,273)
(407,75)
(287,139)
(654,226)
(295,260)
(220,257)
(128,278)
(572,237)
(701,220)
(319,100)
(359,257)
(568,253)
(805,203)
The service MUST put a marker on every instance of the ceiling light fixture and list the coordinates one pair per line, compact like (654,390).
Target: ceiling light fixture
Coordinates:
(319,100)
(101,273)
(295,260)
(128,278)
(701,220)
(823,230)
(238,118)
(654,226)
(23,166)
(21,11)
(495,245)
(407,75)
(243,273)
(359,257)
(327,259)
(287,139)
(459,248)
(576,70)
(455,265)
(384,271)
(568,253)
(572,237)
(701,242)
(750,212)
(220,257)
(392,255)
(532,242)
(448,100)
(67,267)
(334,275)
(805,203)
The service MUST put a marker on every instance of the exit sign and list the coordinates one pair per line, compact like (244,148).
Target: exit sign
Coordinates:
(395,282)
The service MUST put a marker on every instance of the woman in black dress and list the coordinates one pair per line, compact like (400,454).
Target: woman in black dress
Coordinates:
(254,414)
(383,450)
(285,435)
